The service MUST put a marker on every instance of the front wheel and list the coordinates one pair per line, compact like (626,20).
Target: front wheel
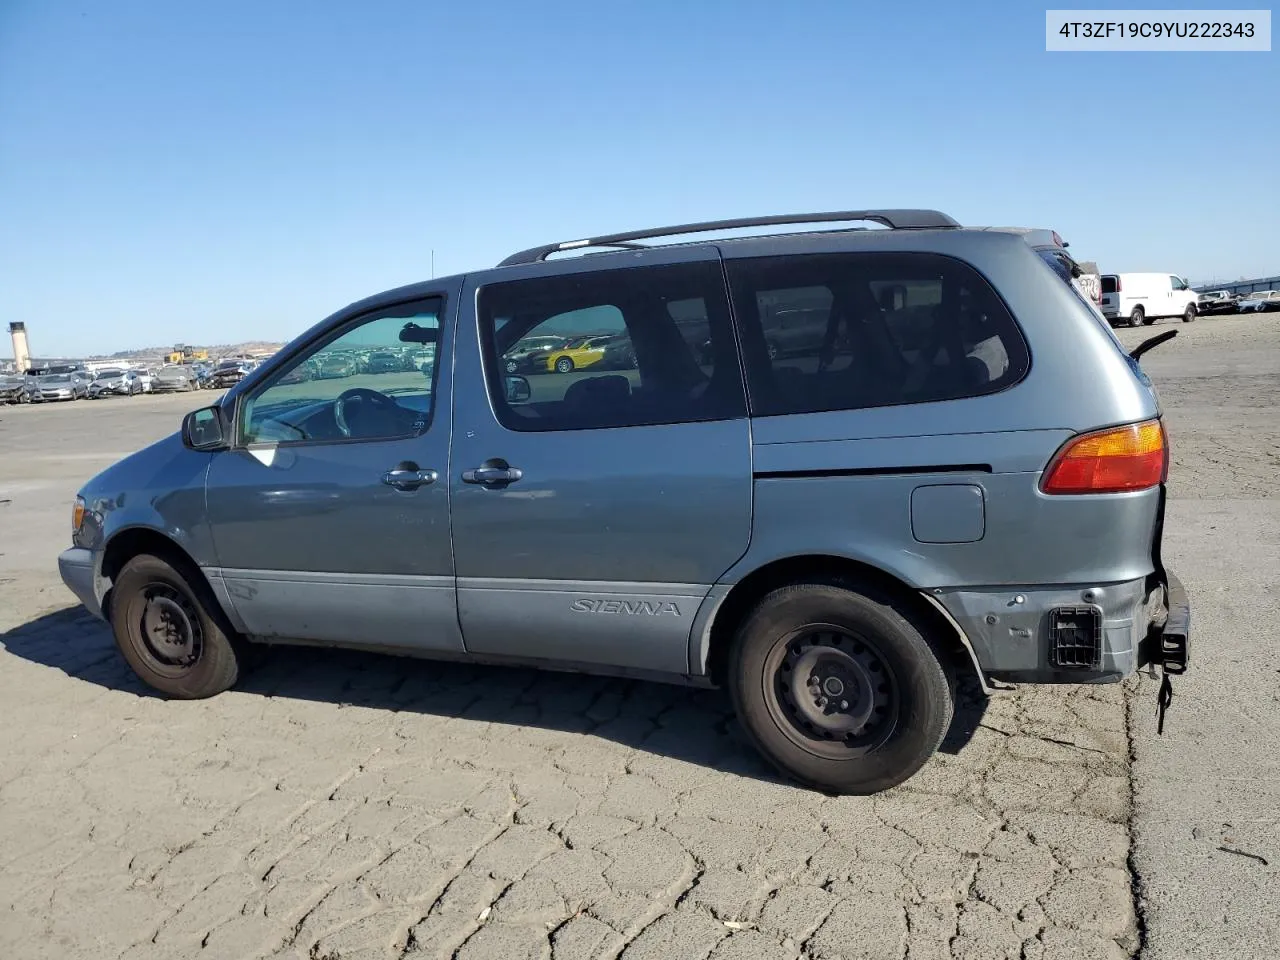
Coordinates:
(163,618)
(1190,313)
(840,687)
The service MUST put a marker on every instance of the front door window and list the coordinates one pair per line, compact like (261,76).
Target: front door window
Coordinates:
(374,380)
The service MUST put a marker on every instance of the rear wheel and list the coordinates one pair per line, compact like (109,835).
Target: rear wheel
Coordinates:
(1137,318)
(1190,313)
(840,687)
(163,618)
(564,365)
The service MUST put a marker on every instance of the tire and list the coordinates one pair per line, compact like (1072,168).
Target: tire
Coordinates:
(512,366)
(564,365)
(151,591)
(1190,314)
(1137,318)
(845,637)
(771,349)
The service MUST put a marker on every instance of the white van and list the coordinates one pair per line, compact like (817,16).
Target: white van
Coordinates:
(1138,298)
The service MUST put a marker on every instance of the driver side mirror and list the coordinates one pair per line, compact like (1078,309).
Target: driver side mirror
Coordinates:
(205,429)
(518,389)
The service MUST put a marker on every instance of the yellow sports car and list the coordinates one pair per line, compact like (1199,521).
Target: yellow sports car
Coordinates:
(577,353)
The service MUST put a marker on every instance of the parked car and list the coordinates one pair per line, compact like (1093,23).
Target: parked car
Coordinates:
(1138,298)
(114,382)
(1260,301)
(529,355)
(228,372)
(575,354)
(838,544)
(203,374)
(16,388)
(384,361)
(61,386)
(1216,302)
(335,367)
(146,379)
(174,378)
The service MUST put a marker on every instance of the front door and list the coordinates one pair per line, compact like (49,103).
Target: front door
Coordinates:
(330,514)
(595,501)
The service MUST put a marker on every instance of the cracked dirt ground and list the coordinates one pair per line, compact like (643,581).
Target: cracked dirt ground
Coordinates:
(349,806)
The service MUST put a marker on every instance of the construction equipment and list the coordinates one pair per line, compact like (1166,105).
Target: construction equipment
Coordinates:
(185,354)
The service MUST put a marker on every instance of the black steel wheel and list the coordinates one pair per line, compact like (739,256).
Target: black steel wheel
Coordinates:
(841,685)
(170,629)
(832,693)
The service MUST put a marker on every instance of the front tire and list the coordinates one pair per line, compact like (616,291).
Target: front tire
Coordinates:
(1137,318)
(1190,314)
(840,687)
(165,624)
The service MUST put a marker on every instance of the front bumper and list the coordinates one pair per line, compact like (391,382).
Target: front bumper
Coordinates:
(79,571)
(1012,630)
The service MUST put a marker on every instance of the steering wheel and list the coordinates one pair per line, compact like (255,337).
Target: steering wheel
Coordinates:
(361,396)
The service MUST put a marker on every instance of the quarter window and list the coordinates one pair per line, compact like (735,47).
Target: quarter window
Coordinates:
(613,348)
(373,380)
(849,331)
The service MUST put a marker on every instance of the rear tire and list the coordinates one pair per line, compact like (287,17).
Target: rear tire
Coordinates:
(839,686)
(1190,313)
(1137,318)
(564,365)
(166,624)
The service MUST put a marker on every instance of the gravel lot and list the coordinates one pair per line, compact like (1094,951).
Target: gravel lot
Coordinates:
(348,806)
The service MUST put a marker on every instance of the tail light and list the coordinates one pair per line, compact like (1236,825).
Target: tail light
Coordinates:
(1133,457)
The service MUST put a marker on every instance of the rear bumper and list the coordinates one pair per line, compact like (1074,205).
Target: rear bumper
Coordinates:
(1168,644)
(1014,631)
(79,570)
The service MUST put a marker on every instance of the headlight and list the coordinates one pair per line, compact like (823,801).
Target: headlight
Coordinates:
(77,514)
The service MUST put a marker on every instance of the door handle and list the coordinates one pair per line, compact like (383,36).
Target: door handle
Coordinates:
(406,476)
(493,473)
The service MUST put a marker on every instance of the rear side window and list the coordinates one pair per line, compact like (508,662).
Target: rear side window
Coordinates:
(613,348)
(1110,284)
(858,330)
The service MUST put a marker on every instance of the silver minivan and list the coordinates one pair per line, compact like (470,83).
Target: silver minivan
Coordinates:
(951,469)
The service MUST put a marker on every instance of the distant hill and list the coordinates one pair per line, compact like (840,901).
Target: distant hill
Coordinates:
(215,350)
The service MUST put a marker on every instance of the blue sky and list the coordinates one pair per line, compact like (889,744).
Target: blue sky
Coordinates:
(218,172)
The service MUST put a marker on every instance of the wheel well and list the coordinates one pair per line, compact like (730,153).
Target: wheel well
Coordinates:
(817,568)
(127,544)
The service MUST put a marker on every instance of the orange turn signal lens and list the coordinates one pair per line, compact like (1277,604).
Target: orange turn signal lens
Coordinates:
(1133,457)
(77,514)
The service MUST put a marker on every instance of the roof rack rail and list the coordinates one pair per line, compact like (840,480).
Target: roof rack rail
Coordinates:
(894,219)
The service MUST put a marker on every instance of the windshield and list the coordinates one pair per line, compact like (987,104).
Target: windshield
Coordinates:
(109,374)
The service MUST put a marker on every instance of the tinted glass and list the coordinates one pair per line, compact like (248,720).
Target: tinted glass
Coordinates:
(614,348)
(367,383)
(1109,284)
(847,331)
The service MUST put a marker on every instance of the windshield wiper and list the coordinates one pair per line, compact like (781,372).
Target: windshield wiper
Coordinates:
(1137,352)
